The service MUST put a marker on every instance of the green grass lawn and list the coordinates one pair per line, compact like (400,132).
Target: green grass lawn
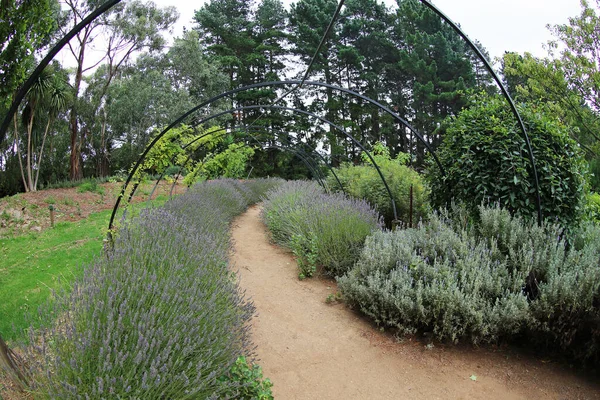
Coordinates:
(32,265)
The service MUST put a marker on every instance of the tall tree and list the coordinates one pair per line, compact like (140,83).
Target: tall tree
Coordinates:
(365,53)
(580,53)
(530,79)
(225,29)
(126,28)
(308,22)
(433,58)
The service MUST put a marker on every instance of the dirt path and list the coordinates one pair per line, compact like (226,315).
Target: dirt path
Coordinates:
(314,350)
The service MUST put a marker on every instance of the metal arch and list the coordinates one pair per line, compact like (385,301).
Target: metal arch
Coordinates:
(313,151)
(204,120)
(513,107)
(312,168)
(49,57)
(244,129)
(337,127)
(110,3)
(247,129)
(263,84)
(256,129)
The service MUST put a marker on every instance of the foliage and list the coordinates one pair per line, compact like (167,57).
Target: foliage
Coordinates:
(176,147)
(363,182)
(592,207)
(497,279)
(159,315)
(231,163)
(578,50)
(534,80)
(90,185)
(250,377)
(325,230)
(25,27)
(486,161)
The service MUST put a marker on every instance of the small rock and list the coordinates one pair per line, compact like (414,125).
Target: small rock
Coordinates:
(36,228)
(16,214)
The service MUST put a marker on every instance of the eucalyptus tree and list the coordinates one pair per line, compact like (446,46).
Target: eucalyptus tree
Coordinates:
(126,28)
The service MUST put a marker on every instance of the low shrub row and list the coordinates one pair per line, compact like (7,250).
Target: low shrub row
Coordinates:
(160,316)
(321,229)
(495,279)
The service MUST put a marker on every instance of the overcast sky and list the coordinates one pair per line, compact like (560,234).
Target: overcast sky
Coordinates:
(506,25)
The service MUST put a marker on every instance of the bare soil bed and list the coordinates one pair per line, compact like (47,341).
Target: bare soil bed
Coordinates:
(26,212)
(314,349)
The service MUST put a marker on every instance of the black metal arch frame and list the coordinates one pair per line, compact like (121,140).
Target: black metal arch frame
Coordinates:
(233,110)
(299,153)
(281,136)
(290,147)
(248,130)
(110,3)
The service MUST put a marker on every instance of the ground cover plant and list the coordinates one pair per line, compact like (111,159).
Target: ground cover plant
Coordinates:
(158,316)
(363,182)
(321,229)
(487,279)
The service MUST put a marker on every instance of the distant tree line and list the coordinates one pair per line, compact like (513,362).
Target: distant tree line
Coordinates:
(95,114)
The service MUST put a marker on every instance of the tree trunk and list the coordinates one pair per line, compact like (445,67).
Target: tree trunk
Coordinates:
(37,173)
(19,151)
(8,364)
(75,172)
(30,187)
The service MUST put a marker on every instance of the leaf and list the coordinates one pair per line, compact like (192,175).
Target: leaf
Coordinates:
(473,377)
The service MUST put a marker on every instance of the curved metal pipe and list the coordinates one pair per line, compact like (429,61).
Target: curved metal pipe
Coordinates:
(258,85)
(244,129)
(204,120)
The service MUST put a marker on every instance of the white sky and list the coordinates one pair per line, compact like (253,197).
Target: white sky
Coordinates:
(500,25)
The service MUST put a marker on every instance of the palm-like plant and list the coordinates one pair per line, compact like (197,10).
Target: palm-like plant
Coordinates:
(49,95)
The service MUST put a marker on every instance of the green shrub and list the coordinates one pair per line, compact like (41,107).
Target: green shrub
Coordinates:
(322,229)
(592,207)
(90,185)
(487,279)
(433,279)
(565,317)
(250,380)
(363,182)
(486,161)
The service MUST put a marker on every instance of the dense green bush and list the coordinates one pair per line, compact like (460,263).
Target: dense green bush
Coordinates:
(592,207)
(499,278)
(363,182)
(160,315)
(321,229)
(486,161)
(250,381)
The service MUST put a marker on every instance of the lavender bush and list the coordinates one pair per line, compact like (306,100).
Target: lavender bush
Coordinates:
(160,316)
(499,278)
(321,229)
